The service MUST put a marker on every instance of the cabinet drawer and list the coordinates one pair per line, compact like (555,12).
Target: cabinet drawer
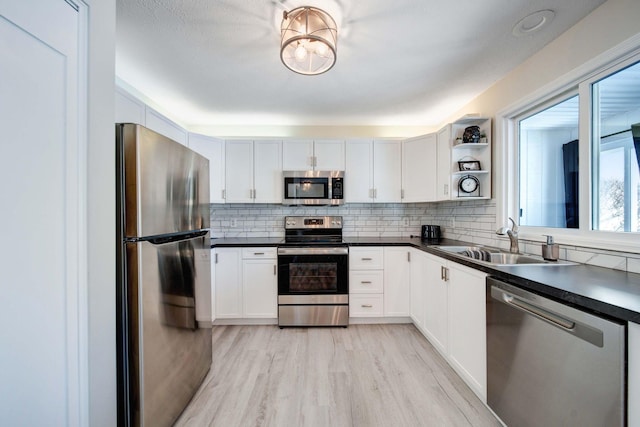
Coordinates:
(366,258)
(258,253)
(365,281)
(366,305)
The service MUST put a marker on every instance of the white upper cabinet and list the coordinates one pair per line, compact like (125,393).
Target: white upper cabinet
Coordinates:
(267,171)
(387,171)
(213,149)
(373,171)
(129,109)
(358,173)
(254,172)
(159,123)
(329,155)
(418,165)
(306,154)
(443,165)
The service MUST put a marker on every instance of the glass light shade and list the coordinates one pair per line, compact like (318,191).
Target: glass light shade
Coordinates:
(309,40)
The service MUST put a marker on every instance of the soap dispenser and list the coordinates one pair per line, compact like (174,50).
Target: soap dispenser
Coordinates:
(551,250)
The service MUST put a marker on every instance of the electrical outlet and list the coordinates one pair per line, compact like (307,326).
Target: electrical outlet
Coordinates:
(453,222)
(405,221)
(234,223)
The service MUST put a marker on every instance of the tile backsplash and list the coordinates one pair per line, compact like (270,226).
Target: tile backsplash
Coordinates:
(472,221)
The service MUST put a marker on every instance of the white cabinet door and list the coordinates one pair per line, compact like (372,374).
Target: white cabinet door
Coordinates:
(239,174)
(633,382)
(329,155)
(260,288)
(228,282)
(443,169)
(159,123)
(359,171)
(467,325)
(129,109)
(267,168)
(419,169)
(397,281)
(297,155)
(213,149)
(418,284)
(436,303)
(387,171)
(44,287)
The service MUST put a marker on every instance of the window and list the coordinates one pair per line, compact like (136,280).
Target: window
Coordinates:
(548,166)
(571,161)
(616,151)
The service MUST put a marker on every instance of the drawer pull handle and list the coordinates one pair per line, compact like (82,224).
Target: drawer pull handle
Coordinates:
(366,259)
(258,253)
(365,282)
(366,305)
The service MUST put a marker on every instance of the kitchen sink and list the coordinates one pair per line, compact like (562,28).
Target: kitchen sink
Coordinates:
(493,256)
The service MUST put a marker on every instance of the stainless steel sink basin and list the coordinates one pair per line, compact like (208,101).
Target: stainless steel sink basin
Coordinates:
(493,256)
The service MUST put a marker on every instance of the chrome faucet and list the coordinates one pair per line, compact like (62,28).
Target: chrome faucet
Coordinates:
(513,236)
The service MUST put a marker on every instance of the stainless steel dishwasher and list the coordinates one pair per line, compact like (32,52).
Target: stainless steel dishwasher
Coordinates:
(549,364)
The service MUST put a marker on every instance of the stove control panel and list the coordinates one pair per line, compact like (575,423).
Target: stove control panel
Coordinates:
(310,222)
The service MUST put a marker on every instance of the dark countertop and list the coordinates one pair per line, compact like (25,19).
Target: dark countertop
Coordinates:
(613,293)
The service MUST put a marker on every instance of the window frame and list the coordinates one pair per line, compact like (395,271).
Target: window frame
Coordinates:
(578,81)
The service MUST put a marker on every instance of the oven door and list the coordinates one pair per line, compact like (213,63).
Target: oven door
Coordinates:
(313,271)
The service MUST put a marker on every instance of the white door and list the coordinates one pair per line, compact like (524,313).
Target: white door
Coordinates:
(42,168)
(212,149)
(436,297)
(387,171)
(260,288)
(328,155)
(419,169)
(228,283)
(359,171)
(418,279)
(297,155)
(443,180)
(239,176)
(397,281)
(267,171)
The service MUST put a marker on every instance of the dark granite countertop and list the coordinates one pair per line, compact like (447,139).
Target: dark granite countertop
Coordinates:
(613,293)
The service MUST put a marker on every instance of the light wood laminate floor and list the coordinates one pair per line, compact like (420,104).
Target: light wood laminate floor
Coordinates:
(363,375)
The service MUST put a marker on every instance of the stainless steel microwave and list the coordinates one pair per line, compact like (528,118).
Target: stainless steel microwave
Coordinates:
(313,188)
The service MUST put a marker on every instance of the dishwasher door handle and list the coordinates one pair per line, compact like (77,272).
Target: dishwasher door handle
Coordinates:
(582,331)
(537,311)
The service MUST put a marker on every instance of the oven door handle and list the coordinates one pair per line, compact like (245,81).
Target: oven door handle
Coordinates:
(314,251)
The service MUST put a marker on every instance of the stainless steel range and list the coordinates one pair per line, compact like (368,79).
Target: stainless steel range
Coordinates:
(313,273)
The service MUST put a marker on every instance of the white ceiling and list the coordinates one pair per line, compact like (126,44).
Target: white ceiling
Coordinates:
(400,63)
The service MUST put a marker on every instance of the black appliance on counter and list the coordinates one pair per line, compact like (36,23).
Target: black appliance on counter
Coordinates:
(431,233)
(313,273)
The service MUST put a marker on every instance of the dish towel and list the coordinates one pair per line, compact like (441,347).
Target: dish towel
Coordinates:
(480,254)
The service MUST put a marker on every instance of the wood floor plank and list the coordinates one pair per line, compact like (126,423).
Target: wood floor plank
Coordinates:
(360,376)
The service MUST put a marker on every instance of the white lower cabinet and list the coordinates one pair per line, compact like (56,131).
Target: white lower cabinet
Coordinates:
(245,283)
(228,282)
(452,298)
(259,283)
(467,326)
(633,382)
(397,281)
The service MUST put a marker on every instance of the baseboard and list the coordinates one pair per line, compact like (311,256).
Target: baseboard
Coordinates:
(378,320)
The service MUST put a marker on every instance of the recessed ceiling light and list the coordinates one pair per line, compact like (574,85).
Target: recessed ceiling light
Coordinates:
(533,22)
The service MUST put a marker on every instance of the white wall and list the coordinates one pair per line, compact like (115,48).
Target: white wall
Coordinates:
(101,214)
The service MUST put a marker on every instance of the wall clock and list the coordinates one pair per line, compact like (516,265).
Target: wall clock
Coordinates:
(469,186)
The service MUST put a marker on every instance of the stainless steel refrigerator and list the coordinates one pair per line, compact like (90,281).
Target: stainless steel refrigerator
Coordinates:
(164,282)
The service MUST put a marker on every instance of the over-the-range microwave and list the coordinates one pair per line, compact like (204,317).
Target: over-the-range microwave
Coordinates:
(313,188)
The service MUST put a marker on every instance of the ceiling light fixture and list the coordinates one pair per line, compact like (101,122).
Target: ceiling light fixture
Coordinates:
(533,22)
(309,40)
